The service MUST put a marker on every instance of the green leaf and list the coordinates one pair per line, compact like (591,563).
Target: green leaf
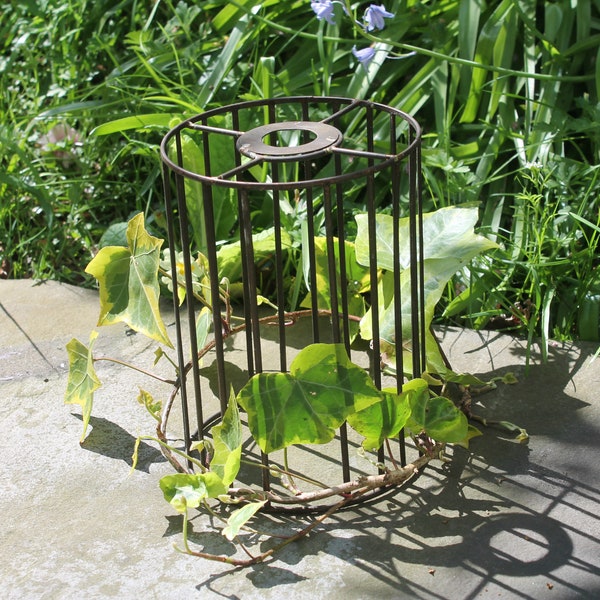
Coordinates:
(471,433)
(451,376)
(308,404)
(115,235)
(438,417)
(382,420)
(136,122)
(239,518)
(227,442)
(230,256)
(128,279)
(523,436)
(83,381)
(183,490)
(152,406)
(203,324)
(357,280)
(449,243)
(448,235)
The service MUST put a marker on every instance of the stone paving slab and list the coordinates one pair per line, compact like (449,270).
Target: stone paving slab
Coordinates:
(502,520)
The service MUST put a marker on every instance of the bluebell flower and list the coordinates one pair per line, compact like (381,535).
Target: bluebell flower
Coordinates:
(324,10)
(374,16)
(364,55)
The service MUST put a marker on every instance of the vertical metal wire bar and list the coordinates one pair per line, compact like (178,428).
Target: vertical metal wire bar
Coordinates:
(331,265)
(245,230)
(250,277)
(339,201)
(280,295)
(415,268)
(398,314)
(215,292)
(174,278)
(373,268)
(398,334)
(310,242)
(423,346)
(187,271)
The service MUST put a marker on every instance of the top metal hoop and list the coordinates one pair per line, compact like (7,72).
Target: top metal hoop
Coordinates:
(251,149)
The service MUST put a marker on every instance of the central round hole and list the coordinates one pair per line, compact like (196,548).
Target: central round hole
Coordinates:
(289,138)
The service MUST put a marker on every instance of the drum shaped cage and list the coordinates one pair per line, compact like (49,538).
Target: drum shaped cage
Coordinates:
(327,155)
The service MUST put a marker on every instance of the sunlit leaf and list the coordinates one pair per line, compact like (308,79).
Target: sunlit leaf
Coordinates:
(143,121)
(438,417)
(471,433)
(83,381)
(128,279)
(308,404)
(523,436)
(154,407)
(449,243)
(447,235)
(263,244)
(183,490)
(203,324)
(357,280)
(384,419)
(240,517)
(227,443)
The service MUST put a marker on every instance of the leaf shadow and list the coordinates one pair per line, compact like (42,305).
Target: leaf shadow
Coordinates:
(111,440)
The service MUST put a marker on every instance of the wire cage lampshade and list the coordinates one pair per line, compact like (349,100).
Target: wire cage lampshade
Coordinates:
(295,172)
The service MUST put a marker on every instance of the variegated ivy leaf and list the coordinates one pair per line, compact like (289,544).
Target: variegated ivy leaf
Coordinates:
(183,490)
(82,381)
(128,278)
(308,404)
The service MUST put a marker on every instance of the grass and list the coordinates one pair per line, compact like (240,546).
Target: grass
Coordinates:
(507,93)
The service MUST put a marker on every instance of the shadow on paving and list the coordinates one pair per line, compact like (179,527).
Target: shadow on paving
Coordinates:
(456,522)
(491,513)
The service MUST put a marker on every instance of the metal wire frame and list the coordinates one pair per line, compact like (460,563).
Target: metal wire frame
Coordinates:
(343,143)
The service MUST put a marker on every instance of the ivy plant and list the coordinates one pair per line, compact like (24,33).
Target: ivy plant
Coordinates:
(322,391)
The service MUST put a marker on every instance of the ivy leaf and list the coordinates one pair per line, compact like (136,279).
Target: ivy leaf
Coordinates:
(448,234)
(227,443)
(357,280)
(82,381)
(449,243)
(472,432)
(128,279)
(239,518)
(183,490)
(229,256)
(438,417)
(307,405)
(154,407)
(382,420)
(203,325)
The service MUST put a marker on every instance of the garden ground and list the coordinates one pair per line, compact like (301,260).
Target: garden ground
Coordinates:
(503,519)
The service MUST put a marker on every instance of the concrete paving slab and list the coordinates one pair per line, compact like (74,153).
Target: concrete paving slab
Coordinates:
(502,520)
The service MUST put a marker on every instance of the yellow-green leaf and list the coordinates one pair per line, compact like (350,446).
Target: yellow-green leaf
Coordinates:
(83,381)
(183,490)
(227,440)
(240,517)
(128,278)
(306,405)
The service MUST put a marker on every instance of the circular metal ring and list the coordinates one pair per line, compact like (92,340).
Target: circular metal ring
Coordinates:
(251,143)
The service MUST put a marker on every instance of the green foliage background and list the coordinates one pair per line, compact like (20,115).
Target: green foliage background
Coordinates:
(520,134)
